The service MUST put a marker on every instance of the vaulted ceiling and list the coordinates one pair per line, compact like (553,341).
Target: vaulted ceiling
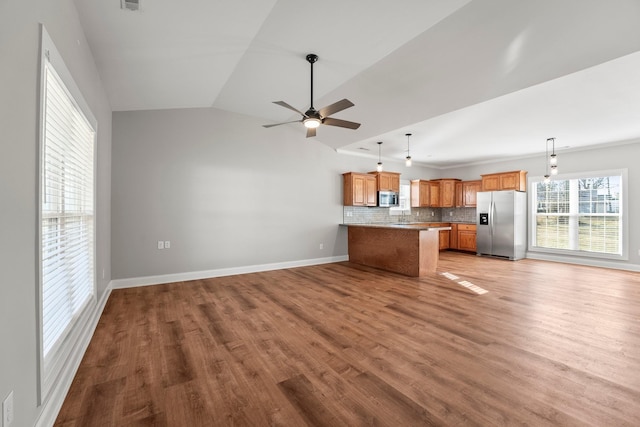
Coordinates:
(472,80)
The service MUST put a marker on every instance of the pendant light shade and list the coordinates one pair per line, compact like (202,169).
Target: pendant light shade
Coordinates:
(379,167)
(407,162)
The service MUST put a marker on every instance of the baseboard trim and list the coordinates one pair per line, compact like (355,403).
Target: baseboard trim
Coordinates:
(592,262)
(51,407)
(221,272)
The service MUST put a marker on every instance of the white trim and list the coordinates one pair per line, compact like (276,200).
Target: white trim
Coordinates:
(592,262)
(197,275)
(52,405)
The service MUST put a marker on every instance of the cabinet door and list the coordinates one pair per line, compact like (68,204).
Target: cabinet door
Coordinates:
(459,195)
(470,192)
(434,194)
(384,182)
(447,194)
(453,238)
(491,183)
(359,190)
(510,181)
(371,193)
(419,193)
(467,240)
(444,239)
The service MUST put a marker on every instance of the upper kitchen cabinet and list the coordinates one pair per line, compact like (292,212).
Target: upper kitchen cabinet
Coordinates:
(446,192)
(515,180)
(419,193)
(359,189)
(387,181)
(466,193)
(470,192)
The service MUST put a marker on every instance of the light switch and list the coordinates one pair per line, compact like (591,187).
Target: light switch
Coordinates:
(160,244)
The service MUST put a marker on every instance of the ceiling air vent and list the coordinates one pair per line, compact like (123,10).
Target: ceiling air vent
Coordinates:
(130,4)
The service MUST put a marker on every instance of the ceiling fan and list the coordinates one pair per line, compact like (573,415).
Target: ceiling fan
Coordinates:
(314,118)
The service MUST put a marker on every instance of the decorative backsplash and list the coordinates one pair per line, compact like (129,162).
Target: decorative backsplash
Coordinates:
(372,215)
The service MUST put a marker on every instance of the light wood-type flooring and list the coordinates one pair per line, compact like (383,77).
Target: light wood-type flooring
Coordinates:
(549,344)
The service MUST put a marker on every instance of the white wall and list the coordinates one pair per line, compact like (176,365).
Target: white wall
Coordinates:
(19,50)
(225,191)
(596,159)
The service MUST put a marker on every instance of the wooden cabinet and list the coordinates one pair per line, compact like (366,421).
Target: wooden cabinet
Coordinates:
(434,194)
(515,180)
(459,195)
(445,196)
(387,181)
(419,193)
(453,237)
(463,237)
(466,240)
(466,193)
(445,235)
(470,192)
(359,189)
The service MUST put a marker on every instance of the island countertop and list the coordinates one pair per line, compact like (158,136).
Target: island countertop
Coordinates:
(407,248)
(405,226)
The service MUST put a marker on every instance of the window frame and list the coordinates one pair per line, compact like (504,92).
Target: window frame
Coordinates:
(624,217)
(50,369)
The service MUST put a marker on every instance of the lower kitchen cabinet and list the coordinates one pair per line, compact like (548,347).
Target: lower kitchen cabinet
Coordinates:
(444,239)
(467,237)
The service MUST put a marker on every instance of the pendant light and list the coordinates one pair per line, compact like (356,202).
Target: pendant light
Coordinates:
(407,162)
(547,178)
(553,159)
(379,167)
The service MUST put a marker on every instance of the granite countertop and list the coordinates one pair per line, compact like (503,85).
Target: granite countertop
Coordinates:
(408,225)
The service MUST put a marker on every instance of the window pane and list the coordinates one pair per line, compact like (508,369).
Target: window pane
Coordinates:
(599,234)
(552,231)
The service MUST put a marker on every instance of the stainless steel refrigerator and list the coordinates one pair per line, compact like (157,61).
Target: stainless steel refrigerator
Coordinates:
(501,219)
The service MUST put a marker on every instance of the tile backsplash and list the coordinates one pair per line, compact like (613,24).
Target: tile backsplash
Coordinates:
(372,215)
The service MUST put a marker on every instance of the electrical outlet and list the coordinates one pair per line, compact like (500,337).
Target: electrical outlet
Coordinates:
(417,213)
(450,213)
(7,410)
(321,246)
(433,213)
(167,244)
(160,244)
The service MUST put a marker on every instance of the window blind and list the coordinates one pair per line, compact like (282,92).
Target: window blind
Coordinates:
(67,213)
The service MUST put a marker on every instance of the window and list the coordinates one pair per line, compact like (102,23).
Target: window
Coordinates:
(582,215)
(404,200)
(67,255)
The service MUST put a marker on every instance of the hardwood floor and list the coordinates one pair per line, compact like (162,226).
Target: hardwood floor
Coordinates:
(549,344)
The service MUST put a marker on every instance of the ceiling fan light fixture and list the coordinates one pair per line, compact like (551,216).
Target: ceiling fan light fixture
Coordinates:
(311,122)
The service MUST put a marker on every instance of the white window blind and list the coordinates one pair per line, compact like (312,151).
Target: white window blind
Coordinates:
(67,213)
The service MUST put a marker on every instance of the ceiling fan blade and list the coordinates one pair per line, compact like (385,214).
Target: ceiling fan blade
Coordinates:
(341,123)
(285,105)
(283,123)
(335,107)
(311,132)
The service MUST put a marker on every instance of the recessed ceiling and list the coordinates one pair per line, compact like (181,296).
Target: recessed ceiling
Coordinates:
(471,80)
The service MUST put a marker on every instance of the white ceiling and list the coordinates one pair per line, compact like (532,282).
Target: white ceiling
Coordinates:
(472,80)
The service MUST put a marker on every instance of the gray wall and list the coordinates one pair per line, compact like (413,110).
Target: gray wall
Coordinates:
(225,191)
(19,50)
(228,193)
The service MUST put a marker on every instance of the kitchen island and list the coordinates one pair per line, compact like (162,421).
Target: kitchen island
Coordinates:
(411,249)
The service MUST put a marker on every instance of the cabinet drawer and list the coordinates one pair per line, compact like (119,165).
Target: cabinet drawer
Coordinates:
(469,227)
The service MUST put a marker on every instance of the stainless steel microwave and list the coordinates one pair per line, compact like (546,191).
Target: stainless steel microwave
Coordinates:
(387,199)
